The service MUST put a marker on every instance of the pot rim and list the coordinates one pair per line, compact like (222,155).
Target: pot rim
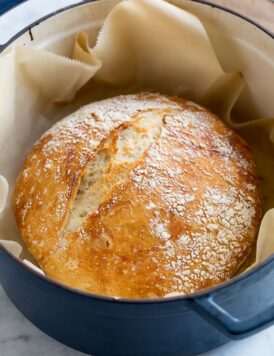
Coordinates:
(234,280)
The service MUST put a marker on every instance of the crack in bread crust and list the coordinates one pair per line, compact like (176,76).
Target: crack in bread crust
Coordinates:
(177,207)
(112,163)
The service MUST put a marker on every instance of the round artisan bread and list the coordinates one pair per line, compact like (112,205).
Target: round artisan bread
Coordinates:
(139,196)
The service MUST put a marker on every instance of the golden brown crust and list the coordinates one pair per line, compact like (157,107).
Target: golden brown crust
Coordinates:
(183,217)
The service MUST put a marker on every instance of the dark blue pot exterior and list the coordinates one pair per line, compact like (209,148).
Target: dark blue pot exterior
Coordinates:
(106,327)
(6,5)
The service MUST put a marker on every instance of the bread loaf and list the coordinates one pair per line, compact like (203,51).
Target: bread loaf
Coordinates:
(139,196)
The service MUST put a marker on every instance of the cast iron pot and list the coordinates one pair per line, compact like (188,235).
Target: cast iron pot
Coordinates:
(169,326)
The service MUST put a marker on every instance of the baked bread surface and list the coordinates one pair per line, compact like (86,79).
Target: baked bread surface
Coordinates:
(139,196)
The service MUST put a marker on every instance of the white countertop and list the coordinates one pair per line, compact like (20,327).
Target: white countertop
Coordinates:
(18,337)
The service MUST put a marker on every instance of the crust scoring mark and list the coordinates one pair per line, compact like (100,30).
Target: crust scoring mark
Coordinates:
(112,163)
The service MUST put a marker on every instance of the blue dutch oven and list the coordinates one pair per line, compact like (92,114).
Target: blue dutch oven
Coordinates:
(185,325)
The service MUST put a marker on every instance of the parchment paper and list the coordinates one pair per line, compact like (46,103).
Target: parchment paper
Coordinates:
(143,45)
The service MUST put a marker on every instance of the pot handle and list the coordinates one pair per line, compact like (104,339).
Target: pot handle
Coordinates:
(6,5)
(207,307)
